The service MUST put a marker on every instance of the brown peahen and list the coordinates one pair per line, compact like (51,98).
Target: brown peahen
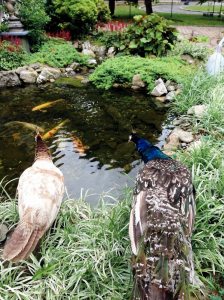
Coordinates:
(161,223)
(40,192)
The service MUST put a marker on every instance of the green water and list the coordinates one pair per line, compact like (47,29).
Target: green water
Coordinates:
(102,122)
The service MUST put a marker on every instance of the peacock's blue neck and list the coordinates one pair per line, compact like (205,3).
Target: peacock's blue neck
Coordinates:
(148,151)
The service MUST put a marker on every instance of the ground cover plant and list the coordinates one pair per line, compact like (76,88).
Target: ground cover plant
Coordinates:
(204,8)
(122,69)
(57,53)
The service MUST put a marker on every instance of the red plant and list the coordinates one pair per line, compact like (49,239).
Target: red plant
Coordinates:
(63,34)
(112,26)
(12,39)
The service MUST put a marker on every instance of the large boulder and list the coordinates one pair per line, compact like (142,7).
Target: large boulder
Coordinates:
(47,74)
(9,78)
(137,82)
(160,88)
(88,52)
(28,76)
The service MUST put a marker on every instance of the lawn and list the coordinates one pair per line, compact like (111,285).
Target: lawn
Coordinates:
(122,12)
(204,8)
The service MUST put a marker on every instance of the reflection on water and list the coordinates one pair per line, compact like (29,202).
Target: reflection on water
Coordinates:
(87,133)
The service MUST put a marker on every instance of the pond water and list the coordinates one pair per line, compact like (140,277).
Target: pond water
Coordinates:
(90,143)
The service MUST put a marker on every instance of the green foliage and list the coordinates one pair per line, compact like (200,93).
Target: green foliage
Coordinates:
(34,18)
(80,16)
(193,49)
(11,56)
(86,255)
(4,26)
(57,53)
(122,69)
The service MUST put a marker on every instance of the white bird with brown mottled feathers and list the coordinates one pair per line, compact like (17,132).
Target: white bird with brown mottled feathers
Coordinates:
(40,193)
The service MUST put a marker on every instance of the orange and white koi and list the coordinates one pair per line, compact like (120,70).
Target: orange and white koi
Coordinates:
(54,130)
(78,145)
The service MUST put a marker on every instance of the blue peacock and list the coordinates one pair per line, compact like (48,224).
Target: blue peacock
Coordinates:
(160,228)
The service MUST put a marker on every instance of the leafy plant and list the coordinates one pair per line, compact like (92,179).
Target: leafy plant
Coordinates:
(80,16)
(34,18)
(148,35)
(57,53)
(11,56)
(122,69)
(196,51)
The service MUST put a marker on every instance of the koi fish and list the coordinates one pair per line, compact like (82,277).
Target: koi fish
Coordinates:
(27,125)
(78,145)
(46,104)
(54,130)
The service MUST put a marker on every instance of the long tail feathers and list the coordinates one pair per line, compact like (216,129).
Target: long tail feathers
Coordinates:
(22,242)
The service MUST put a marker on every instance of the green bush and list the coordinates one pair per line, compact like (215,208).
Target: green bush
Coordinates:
(80,16)
(148,35)
(122,69)
(196,51)
(57,53)
(11,56)
(34,18)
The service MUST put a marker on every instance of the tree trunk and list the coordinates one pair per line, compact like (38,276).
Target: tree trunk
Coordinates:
(112,7)
(148,6)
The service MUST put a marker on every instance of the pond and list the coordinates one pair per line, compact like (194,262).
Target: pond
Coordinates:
(90,133)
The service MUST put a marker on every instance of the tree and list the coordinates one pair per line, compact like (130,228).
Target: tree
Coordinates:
(148,6)
(112,7)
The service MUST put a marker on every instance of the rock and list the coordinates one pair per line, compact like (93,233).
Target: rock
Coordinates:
(195,145)
(170,96)
(100,51)
(92,61)
(111,52)
(184,136)
(167,83)
(88,52)
(188,58)
(160,88)
(161,98)
(177,92)
(137,82)
(85,81)
(74,66)
(9,78)
(52,80)
(172,144)
(86,45)
(28,76)
(3,232)
(48,73)
(69,71)
(20,69)
(158,81)
(37,66)
(198,110)
(170,88)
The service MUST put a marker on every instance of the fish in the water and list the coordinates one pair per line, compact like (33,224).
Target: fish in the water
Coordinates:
(47,104)
(78,145)
(54,130)
(27,125)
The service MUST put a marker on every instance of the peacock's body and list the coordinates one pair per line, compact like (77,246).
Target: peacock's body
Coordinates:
(160,228)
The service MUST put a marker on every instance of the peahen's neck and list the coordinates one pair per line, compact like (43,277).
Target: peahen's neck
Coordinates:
(42,151)
(148,151)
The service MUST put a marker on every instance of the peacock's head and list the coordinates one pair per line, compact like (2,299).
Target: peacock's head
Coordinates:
(133,137)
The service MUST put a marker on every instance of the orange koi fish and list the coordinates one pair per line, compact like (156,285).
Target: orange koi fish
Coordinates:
(47,104)
(78,145)
(54,130)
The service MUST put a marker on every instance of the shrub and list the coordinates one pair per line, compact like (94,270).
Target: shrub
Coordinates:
(148,35)
(11,56)
(196,51)
(34,18)
(80,16)
(122,69)
(57,53)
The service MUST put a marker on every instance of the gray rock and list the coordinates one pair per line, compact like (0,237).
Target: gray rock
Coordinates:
(100,51)
(184,136)
(37,66)
(9,78)
(198,110)
(86,45)
(88,52)
(170,88)
(170,96)
(137,82)
(20,69)
(3,232)
(47,74)
(74,66)
(159,90)
(195,145)
(167,83)
(92,61)
(158,81)
(111,52)
(85,80)
(161,98)
(28,76)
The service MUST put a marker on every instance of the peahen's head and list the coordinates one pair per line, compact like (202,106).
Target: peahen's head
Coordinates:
(147,150)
